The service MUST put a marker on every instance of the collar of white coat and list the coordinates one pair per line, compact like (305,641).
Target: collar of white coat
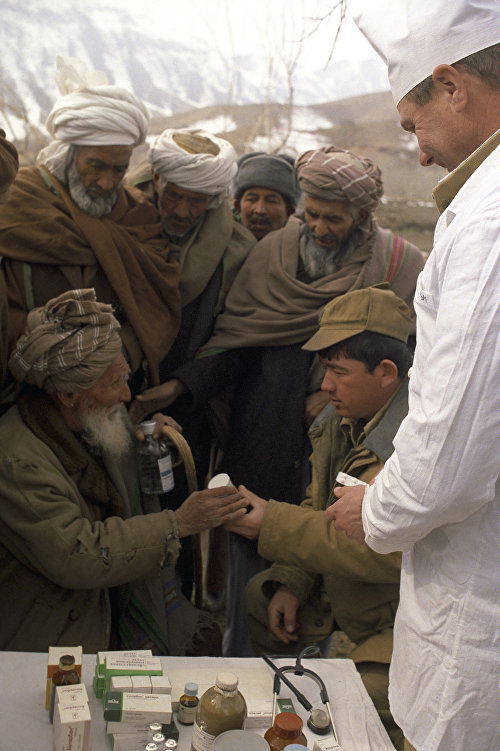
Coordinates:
(447,188)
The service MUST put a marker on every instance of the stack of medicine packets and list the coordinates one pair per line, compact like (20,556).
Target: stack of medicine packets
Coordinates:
(135,694)
(71,718)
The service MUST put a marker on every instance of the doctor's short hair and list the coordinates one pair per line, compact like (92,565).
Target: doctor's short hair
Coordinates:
(484,64)
(371,348)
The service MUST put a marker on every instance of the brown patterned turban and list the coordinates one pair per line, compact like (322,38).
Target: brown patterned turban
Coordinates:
(9,163)
(68,343)
(333,174)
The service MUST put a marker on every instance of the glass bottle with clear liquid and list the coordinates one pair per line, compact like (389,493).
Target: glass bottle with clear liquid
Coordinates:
(154,462)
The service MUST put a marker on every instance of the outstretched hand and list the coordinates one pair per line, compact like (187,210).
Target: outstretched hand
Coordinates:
(156,398)
(249,524)
(206,509)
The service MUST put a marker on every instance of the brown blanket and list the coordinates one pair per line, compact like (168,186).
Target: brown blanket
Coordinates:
(269,306)
(42,226)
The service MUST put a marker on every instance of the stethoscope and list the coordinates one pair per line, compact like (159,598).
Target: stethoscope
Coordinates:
(319,721)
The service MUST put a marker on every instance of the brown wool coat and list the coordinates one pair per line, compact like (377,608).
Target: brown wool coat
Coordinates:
(50,246)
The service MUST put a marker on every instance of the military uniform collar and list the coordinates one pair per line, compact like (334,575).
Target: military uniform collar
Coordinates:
(446,190)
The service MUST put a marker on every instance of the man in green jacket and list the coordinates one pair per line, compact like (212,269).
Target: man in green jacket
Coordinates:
(84,558)
(321,580)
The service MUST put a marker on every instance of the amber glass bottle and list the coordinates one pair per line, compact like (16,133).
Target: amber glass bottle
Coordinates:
(65,675)
(188,704)
(286,729)
(221,708)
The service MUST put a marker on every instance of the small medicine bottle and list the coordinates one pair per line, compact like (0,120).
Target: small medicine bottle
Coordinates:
(221,708)
(154,462)
(188,704)
(286,729)
(65,675)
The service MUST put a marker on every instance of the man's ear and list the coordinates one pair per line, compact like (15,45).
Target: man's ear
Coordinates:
(156,181)
(387,372)
(363,213)
(237,204)
(453,82)
(66,400)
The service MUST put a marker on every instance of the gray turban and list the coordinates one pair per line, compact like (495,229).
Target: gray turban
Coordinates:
(195,160)
(68,343)
(272,171)
(333,174)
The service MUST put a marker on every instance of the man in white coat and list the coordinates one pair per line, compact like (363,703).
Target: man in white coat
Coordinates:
(438,497)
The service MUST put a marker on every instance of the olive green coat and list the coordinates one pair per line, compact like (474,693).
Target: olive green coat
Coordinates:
(359,594)
(64,541)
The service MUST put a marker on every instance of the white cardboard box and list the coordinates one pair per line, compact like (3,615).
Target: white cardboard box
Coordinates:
(71,728)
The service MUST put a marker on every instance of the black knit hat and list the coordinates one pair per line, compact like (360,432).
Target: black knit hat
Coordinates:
(272,171)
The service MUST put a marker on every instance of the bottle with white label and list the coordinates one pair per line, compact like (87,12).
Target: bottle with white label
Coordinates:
(154,462)
(221,708)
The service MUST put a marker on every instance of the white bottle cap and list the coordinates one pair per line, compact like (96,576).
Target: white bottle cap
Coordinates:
(148,427)
(226,681)
(219,481)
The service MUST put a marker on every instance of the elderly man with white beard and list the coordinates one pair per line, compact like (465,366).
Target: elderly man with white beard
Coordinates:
(70,223)
(85,559)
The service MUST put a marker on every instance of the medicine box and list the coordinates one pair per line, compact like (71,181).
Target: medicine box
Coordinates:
(326,744)
(70,696)
(141,684)
(160,684)
(259,713)
(137,708)
(131,666)
(99,680)
(71,728)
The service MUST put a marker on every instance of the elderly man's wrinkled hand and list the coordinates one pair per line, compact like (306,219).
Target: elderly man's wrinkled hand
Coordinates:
(161,420)
(346,512)
(206,509)
(249,524)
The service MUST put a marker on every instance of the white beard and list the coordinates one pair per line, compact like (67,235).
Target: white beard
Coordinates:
(105,432)
(92,206)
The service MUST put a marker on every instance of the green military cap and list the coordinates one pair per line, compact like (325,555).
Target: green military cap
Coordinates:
(371,309)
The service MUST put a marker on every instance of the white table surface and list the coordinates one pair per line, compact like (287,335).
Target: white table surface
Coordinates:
(24,722)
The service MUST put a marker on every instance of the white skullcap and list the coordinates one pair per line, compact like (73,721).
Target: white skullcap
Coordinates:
(195,160)
(91,113)
(414,36)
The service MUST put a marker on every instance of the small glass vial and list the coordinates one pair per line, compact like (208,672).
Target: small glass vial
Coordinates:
(286,729)
(221,708)
(154,462)
(159,739)
(170,744)
(151,746)
(153,730)
(65,675)
(188,704)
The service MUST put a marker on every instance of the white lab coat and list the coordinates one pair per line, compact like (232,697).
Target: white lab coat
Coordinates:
(438,498)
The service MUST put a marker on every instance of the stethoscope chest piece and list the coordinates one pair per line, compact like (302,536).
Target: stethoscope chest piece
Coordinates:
(319,722)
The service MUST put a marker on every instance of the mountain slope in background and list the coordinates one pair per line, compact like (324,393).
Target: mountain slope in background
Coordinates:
(170,76)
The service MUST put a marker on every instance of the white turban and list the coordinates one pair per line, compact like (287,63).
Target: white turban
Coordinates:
(195,160)
(413,37)
(90,115)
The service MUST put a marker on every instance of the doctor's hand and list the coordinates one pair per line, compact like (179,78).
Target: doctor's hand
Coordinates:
(346,512)
(282,615)
(249,524)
